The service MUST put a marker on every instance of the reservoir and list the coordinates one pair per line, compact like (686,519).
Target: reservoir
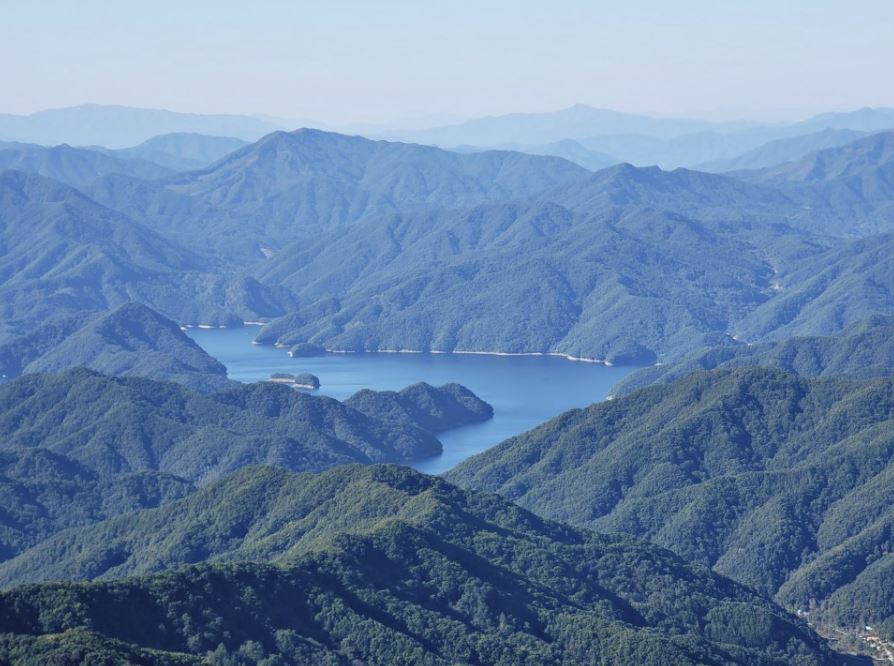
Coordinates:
(525,391)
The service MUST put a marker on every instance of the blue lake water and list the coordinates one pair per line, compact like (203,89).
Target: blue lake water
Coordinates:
(525,391)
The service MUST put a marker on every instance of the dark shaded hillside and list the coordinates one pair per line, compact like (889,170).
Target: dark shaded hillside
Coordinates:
(864,349)
(780,482)
(63,255)
(44,492)
(122,425)
(183,151)
(77,167)
(81,646)
(135,341)
(404,566)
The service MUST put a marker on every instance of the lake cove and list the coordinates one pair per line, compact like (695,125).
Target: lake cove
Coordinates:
(525,391)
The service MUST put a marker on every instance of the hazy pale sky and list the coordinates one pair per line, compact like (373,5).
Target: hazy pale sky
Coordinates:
(341,61)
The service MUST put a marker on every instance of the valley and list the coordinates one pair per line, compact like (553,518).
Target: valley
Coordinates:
(293,396)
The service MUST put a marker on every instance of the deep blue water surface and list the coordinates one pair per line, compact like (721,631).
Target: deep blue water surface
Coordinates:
(525,391)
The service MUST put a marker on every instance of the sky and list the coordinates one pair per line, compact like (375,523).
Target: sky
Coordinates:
(389,61)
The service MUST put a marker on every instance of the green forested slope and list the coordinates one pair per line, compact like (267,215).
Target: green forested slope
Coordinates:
(408,569)
(80,447)
(44,492)
(778,481)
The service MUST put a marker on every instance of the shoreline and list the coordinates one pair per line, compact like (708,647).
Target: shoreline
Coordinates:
(567,357)
(278,345)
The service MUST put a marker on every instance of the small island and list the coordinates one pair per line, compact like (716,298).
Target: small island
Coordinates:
(305,380)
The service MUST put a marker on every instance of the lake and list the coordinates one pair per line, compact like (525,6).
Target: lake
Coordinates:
(525,391)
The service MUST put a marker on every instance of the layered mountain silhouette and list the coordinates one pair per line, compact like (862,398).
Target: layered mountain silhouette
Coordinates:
(183,151)
(781,151)
(77,167)
(864,349)
(122,126)
(290,186)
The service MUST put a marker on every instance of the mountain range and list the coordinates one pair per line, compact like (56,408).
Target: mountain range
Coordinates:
(157,512)
(290,186)
(626,264)
(644,140)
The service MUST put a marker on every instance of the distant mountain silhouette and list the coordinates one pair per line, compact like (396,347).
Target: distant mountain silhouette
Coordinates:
(578,121)
(183,151)
(642,140)
(569,149)
(78,167)
(123,126)
(780,151)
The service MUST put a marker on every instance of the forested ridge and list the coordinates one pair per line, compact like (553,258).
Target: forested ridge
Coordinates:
(418,571)
(778,481)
